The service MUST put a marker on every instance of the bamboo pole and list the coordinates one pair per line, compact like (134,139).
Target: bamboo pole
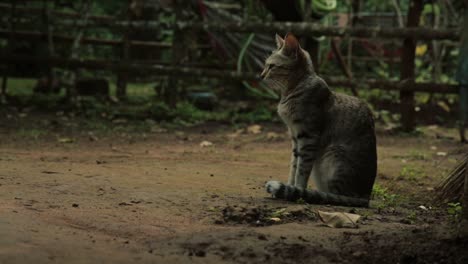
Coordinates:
(181,71)
(315,29)
(301,28)
(40,36)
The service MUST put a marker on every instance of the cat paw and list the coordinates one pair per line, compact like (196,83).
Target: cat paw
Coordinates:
(273,187)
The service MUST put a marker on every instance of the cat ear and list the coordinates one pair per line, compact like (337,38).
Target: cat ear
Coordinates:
(291,45)
(279,41)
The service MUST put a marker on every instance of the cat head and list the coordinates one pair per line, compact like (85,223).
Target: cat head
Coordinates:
(287,65)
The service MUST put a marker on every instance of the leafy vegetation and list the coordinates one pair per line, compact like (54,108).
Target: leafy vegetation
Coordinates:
(411,173)
(454,210)
(384,198)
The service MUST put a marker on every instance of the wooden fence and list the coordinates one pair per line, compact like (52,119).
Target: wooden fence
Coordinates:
(177,67)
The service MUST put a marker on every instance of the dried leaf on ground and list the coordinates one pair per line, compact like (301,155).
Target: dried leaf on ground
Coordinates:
(158,129)
(273,136)
(339,219)
(254,129)
(66,140)
(236,134)
(206,143)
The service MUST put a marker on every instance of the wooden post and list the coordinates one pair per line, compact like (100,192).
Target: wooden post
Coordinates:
(179,52)
(11,43)
(71,75)
(122,77)
(354,16)
(48,30)
(407,67)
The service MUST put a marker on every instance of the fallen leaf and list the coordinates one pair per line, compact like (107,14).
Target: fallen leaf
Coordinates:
(205,143)
(66,140)
(444,106)
(275,219)
(236,134)
(422,207)
(158,129)
(339,219)
(119,121)
(441,153)
(92,137)
(254,129)
(272,136)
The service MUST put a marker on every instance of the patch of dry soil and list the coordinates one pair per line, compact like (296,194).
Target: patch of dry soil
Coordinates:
(164,199)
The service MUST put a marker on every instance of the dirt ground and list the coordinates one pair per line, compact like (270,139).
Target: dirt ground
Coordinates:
(71,196)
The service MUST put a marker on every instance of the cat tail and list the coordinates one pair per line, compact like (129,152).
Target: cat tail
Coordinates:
(292,193)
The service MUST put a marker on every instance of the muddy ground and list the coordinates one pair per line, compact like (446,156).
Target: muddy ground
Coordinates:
(73,195)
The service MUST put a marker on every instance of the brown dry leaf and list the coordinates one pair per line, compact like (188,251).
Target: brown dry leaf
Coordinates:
(236,134)
(444,106)
(158,129)
(273,136)
(206,143)
(254,129)
(339,219)
(65,140)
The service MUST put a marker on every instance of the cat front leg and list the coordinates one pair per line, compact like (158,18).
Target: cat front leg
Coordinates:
(308,147)
(293,165)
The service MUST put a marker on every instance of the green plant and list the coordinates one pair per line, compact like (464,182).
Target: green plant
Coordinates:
(31,133)
(260,114)
(300,201)
(413,155)
(411,173)
(454,210)
(411,217)
(384,197)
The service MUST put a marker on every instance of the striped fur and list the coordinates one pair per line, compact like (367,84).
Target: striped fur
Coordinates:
(333,138)
(292,193)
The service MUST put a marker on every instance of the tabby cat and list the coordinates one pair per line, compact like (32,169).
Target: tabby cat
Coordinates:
(333,138)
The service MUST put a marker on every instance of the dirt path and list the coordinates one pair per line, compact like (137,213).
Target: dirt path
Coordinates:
(162,198)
